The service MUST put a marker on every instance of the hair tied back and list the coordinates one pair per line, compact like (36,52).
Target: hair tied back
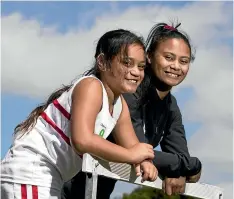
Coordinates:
(171,27)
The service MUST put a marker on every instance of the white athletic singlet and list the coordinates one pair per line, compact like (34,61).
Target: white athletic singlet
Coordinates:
(44,156)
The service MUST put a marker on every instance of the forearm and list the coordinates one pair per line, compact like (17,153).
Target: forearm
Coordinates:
(168,164)
(104,149)
(195,175)
(125,139)
(174,165)
(195,167)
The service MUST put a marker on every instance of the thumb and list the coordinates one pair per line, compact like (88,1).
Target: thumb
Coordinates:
(137,169)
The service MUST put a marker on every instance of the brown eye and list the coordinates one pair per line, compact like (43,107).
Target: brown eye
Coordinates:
(141,66)
(169,58)
(127,62)
(184,61)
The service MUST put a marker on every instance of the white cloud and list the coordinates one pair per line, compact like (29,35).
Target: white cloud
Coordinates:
(38,59)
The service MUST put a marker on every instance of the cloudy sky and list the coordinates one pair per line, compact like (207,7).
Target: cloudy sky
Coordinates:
(47,44)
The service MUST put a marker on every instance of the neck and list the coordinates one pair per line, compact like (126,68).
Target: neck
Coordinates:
(162,94)
(111,94)
(161,88)
(112,97)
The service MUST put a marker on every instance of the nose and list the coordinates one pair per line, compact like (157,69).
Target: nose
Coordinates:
(175,65)
(135,71)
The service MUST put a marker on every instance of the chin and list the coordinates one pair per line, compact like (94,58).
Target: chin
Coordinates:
(172,83)
(130,90)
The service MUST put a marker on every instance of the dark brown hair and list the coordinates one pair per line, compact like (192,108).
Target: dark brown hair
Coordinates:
(27,124)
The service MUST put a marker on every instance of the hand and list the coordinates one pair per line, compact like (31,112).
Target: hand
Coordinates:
(137,169)
(194,178)
(172,186)
(148,170)
(140,152)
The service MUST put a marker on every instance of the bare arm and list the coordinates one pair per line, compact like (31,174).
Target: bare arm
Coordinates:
(124,133)
(83,116)
(86,104)
(125,136)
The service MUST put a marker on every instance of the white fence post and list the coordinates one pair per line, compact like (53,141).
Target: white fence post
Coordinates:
(91,182)
(125,172)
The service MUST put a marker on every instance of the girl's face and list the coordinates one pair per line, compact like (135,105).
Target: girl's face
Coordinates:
(126,72)
(170,61)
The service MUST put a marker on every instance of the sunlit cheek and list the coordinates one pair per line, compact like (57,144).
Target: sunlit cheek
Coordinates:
(119,73)
(142,74)
(185,70)
(123,71)
(115,72)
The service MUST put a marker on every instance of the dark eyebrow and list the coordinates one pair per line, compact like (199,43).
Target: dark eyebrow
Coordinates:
(185,57)
(131,58)
(175,55)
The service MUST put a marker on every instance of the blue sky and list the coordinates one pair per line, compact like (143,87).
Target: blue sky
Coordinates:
(15,108)
(67,14)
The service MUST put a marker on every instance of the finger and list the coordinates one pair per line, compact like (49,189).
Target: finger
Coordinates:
(151,152)
(150,156)
(149,146)
(151,173)
(174,186)
(182,188)
(155,174)
(138,169)
(176,189)
(146,173)
(173,190)
(168,189)
(145,176)
(163,186)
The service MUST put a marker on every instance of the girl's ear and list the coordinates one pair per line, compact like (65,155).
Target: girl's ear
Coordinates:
(148,57)
(101,64)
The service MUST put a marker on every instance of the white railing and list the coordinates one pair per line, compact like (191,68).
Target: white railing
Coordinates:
(125,172)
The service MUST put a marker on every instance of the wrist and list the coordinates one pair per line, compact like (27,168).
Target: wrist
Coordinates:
(130,158)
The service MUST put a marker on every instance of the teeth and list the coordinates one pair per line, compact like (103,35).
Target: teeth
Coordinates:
(133,81)
(172,75)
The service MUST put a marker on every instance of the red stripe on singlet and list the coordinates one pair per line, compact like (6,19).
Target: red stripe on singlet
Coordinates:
(51,123)
(60,132)
(23,191)
(34,192)
(61,109)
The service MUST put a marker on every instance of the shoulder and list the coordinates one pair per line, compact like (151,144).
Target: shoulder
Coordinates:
(173,106)
(123,101)
(90,82)
(89,86)
(174,110)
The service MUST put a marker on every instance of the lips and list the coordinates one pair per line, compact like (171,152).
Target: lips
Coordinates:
(172,74)
(132,81)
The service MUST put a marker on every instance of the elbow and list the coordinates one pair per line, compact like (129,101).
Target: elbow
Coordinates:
(81,145)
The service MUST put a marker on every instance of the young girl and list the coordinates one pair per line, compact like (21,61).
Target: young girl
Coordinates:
(48,146)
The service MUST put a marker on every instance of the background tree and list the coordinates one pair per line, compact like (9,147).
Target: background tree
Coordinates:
(151,193)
